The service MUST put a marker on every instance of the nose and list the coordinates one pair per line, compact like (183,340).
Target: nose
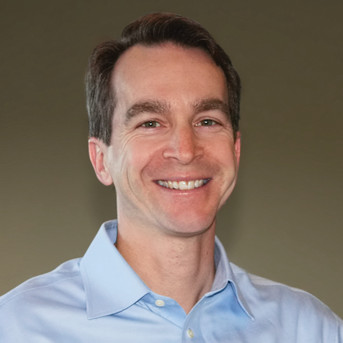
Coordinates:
(183,145)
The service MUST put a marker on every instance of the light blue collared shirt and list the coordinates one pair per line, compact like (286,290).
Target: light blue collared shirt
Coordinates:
(99,298)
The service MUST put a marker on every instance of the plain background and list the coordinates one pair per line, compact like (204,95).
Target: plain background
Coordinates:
(283,221)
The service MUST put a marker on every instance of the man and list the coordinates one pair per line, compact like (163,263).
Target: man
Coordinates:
(163,104)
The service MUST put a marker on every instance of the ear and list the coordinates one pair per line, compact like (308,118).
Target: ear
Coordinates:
(97,153)
(238,148)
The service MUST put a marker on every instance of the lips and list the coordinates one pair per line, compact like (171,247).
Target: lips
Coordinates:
(183,185)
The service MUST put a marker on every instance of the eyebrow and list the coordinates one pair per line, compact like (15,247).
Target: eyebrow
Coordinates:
(212,104)
(153,106)
(149,106)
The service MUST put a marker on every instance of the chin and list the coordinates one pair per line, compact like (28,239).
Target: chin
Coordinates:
(188,226)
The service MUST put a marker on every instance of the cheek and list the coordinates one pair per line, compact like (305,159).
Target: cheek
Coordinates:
(223,151)
(139,158)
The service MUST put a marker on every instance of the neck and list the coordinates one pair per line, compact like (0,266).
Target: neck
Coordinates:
(178,267)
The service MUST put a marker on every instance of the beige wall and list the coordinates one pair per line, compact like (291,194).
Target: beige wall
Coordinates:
(284,220)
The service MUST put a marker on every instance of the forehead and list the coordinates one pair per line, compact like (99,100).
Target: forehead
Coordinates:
(168,52)
(168,72)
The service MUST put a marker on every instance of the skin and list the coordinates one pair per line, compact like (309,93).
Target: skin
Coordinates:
(170,123)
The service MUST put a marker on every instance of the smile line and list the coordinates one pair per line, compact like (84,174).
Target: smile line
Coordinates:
(183,185)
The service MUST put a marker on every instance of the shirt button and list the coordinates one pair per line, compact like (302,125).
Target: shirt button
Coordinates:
(190,333)
(159,303)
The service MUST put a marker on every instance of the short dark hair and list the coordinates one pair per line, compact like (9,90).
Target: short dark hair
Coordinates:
(150,30)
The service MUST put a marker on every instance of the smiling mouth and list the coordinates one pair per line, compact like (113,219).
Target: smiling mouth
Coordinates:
(183,185)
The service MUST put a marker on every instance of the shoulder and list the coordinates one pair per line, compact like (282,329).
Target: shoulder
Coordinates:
(32,301)
(272,290)
(43,284)
(256,288)
(286,305)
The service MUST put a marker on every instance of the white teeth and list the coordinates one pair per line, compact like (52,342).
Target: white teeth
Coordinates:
(191,184)
(183,185)
(198,183)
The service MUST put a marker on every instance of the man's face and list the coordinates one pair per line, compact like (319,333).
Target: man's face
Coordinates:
(170,132)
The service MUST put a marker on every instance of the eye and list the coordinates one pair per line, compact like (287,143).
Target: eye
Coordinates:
(151,124)
(206,122)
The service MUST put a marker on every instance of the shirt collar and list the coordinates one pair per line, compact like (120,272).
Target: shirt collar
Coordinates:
(111,285)
(225,275)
